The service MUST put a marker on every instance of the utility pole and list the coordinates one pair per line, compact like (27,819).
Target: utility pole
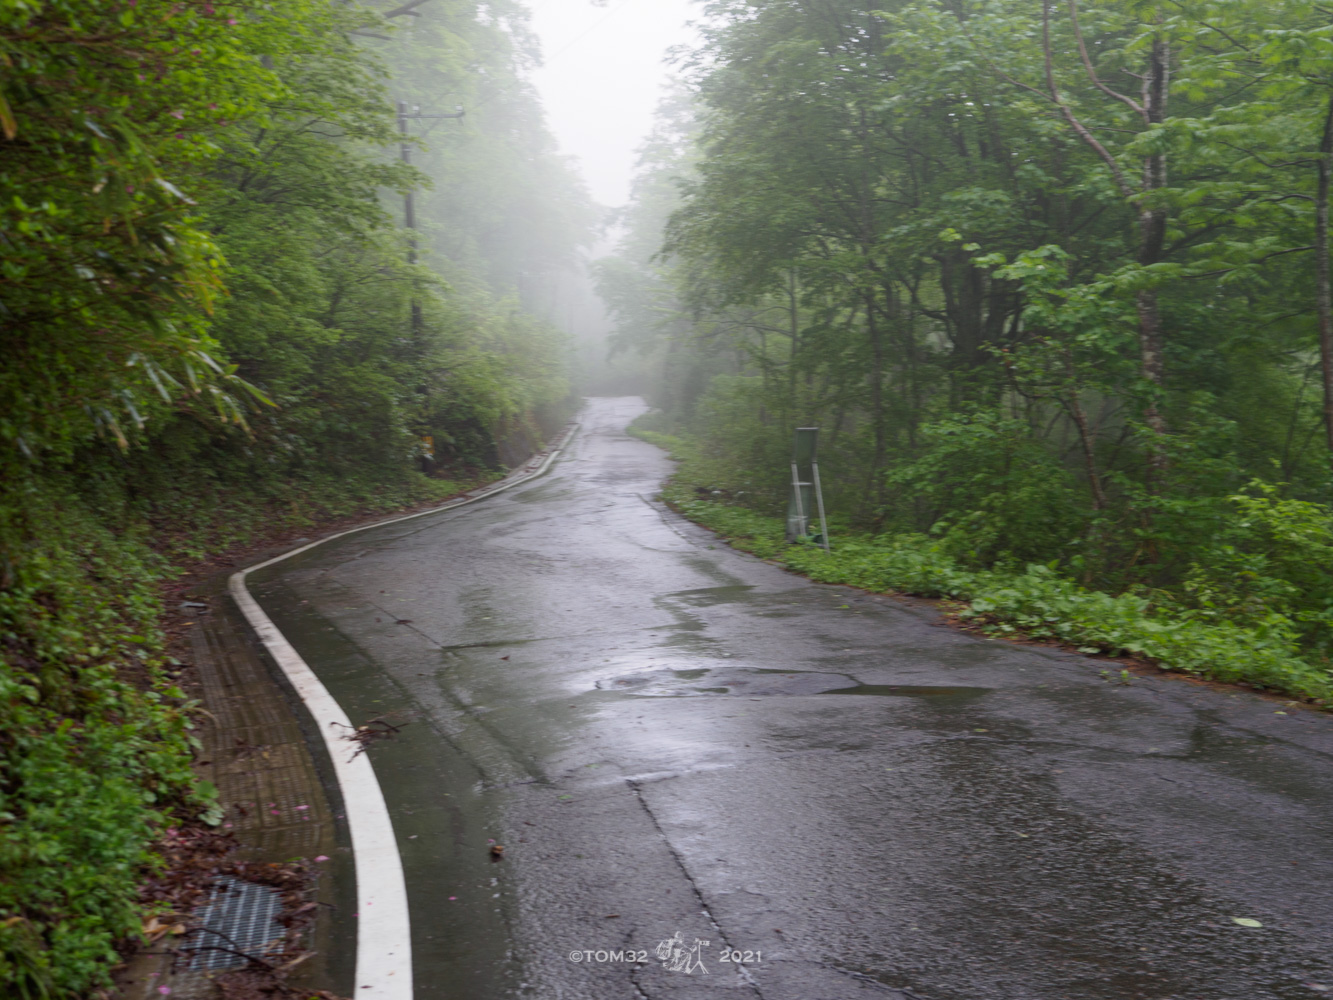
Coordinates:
(410,220)
(409,207)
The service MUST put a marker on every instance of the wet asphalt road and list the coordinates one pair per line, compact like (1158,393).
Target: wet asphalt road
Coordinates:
(670,737)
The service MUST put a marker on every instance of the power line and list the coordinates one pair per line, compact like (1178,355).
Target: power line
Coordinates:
(585,32)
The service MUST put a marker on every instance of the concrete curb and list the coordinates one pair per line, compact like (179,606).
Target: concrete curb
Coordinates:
(383,940)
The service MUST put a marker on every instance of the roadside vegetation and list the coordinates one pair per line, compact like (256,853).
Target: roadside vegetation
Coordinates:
(1053,279)
(216,328)
(1036,602)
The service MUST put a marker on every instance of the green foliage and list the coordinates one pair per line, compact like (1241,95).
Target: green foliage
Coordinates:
(1036,600)
(94,738)
(107,275)
(992,493)
(197,231)
(942,234)
(1271,561)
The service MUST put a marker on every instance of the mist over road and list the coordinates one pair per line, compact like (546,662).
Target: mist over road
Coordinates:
(677,743)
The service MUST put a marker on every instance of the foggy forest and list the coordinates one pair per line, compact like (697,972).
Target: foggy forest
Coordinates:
(1052,279)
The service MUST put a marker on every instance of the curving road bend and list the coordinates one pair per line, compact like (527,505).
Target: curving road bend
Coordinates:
(676,743)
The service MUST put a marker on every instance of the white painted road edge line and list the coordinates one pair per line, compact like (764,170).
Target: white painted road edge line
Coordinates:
(383,931)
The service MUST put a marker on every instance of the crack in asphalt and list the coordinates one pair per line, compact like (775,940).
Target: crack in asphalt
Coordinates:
(496,643)
(633,981)
(863,978)
(661,512)
(525,763)
(694,886)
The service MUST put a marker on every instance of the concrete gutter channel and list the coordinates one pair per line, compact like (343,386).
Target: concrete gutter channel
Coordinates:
(273,746)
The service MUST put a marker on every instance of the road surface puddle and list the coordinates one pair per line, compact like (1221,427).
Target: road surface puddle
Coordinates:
(910,691)
(760,682)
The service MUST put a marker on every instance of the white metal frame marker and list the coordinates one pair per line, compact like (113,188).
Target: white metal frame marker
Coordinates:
(383,930)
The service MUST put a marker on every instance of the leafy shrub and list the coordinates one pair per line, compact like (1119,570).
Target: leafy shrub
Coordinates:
(990,491)
(1271,556)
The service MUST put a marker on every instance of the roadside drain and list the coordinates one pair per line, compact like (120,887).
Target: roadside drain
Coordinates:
(239,920)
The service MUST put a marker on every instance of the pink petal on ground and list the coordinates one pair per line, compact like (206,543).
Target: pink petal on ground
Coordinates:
(322,857)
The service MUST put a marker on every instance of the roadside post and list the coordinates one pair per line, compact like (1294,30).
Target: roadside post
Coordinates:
(426,454)
(807,496)
(409,203)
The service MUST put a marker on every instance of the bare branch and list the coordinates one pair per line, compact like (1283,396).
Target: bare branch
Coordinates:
(1262,161)
(1079,128)
(1262,260)
(407,8)
(1092,73)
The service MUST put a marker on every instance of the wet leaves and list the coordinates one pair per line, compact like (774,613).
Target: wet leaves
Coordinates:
(160,925)
(194,857)
(373,731)
(1246,921)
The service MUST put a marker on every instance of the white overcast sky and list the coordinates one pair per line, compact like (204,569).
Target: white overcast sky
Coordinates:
(602,77)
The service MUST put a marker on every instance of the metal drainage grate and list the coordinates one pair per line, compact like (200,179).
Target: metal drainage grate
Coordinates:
(239,917)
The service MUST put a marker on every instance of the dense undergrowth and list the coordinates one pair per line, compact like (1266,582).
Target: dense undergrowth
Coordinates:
(95,736)
(1038,601)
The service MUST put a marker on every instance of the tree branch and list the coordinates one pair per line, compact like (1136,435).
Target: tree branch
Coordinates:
(1092,73)
(1262,260)
(407,8)
(1079,128)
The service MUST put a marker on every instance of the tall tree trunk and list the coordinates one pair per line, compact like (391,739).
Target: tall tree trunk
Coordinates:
(1152,240)
(1151,109)
(1086,438)
(876,389)
(794,331)
(1322,269)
